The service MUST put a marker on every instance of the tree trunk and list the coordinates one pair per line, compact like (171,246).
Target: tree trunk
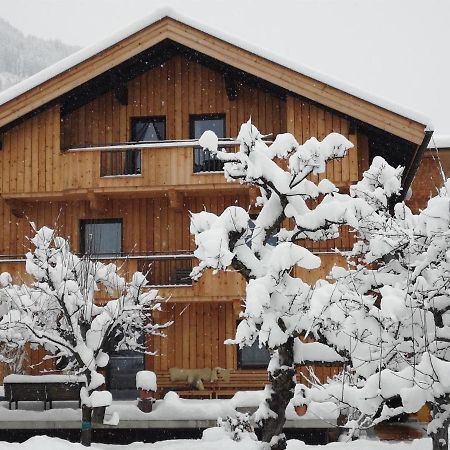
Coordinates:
(440,437)
(86,426)
(283,385)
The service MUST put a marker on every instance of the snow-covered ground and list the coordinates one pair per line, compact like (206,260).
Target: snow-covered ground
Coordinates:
(215,441)
(171,407)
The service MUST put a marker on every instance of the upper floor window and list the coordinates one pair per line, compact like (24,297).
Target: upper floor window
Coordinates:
(204,161)
(101,237)
(128,162)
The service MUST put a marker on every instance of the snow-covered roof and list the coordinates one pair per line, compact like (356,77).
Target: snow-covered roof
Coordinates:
(440,141)
(86,53)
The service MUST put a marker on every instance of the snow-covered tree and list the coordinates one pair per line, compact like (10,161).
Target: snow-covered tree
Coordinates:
(59,312)
(389,313)
(275,300)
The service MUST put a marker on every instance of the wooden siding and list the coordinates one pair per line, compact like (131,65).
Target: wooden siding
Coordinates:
(149,226)
(196,338)
(30,159)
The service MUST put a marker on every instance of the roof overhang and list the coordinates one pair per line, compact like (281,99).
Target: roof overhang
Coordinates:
(83,66)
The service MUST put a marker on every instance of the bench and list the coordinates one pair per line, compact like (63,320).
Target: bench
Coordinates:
(240,380)
(45,388)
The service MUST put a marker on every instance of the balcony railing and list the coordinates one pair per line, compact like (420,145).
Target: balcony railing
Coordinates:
(124,162)
(205,161)
(161,269)
(125,159)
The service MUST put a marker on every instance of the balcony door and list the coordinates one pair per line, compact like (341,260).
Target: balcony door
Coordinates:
(204,161)
(128,162)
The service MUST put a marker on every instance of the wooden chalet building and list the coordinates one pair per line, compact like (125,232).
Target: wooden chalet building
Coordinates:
(163,80)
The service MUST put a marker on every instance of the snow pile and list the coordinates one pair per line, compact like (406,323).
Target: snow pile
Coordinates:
(146,380)
(314,352)
(215,438)
(16,378)
(100,398)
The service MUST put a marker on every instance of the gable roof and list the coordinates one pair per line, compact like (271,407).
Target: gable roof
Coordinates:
(87,63)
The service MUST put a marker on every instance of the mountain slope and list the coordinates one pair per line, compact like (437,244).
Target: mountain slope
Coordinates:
(21,56)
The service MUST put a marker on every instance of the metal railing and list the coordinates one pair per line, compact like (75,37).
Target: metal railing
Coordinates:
(205,161)
(167,270)
(124,162)
(125,158)
(161,269)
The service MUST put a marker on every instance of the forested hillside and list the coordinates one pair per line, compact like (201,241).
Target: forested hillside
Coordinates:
(21,56)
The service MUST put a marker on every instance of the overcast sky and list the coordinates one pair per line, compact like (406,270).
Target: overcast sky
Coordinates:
(396,49)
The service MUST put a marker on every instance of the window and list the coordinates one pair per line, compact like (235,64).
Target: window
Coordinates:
(204,161)
(128,162)
(143,129)
(101,237)
(253,357)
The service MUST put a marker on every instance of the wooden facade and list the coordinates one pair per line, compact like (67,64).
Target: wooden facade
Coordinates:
(41,181)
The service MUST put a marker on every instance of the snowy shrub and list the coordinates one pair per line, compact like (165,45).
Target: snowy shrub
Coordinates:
(237,427)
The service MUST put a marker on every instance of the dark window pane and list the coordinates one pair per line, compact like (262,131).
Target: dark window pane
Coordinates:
(204,124)
(101,238)
(148,129)
(204,161)
(253,357)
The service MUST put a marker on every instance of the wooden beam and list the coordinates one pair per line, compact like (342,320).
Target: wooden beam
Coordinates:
(120,88)
(97,203)
(176,200)
(121,93)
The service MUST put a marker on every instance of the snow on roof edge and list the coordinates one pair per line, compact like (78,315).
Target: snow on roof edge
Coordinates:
(439,141)
(87,52)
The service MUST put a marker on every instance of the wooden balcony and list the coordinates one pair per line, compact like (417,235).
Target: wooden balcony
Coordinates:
(153,166)
(169,273)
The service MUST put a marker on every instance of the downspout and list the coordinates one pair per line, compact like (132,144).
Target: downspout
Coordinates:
(416,160)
